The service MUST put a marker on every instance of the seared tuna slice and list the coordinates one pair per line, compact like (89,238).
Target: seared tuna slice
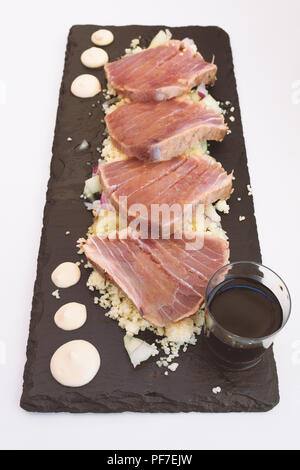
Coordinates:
(160,73)
(165,280)
(160,131)
(184,181)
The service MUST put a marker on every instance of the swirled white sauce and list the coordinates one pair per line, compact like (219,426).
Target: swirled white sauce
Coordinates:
(70,316)
(85,86)
(66,274)
(75,363)
(94,57)
(102,37)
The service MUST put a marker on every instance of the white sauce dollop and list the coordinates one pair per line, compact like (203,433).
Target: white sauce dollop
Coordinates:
(94,57)
(85,86)
(70,316)
(75,363)
(66,275)
(102,37)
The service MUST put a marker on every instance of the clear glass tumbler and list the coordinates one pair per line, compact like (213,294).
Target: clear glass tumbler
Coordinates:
(230,350)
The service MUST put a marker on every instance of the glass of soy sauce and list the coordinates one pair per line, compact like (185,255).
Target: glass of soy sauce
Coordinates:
(247,304)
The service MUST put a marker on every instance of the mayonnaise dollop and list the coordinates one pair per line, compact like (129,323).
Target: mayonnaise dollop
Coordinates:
(85,86)
(102,37)
(75,363)
(94,57)
(70,316)
(66,274)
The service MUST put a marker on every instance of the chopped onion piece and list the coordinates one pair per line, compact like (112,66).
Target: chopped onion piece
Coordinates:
(97,206)
(93,206)
(211,212)
(89,205)
(210,103)
(138,350)
(92,186)
(83,146)
(162,37)
(168,33)
(105,204)
(189,43)
(202,91)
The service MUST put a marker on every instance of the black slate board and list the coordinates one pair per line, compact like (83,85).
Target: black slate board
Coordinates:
(118,387)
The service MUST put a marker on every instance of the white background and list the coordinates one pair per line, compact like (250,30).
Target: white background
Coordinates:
(265,37)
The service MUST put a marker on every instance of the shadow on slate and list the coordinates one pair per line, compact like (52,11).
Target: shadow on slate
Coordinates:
(118,387)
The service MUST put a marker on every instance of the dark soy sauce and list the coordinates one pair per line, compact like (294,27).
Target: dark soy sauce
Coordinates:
(248,309)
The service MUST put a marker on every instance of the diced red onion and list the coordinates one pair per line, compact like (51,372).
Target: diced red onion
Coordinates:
(103,201)
(202,91)
(95,170)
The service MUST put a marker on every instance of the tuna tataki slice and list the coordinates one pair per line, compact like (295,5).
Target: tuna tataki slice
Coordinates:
(161,131)
(164,280)
(160,73)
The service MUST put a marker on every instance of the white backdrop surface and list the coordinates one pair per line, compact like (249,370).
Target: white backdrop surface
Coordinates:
(265,38)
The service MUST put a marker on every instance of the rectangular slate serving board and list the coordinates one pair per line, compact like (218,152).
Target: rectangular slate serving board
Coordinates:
(118,387)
